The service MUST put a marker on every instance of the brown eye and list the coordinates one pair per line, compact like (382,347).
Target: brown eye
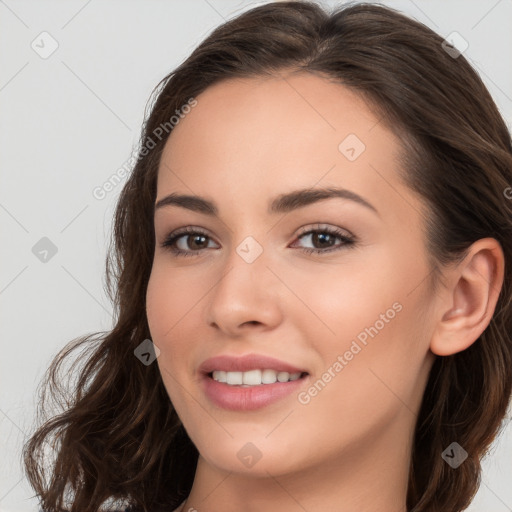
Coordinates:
(324,240)
(187,242)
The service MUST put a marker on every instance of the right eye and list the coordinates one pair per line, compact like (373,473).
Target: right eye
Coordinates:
(182,242)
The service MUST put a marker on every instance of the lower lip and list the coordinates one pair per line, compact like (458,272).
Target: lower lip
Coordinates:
(238,398)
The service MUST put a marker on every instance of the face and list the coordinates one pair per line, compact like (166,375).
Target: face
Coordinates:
(335,287)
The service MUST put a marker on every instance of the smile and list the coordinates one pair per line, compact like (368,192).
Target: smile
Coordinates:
(248,397)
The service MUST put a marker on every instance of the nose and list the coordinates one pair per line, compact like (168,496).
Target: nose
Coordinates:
(246,297)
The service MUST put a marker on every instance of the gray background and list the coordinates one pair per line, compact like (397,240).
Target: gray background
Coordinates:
(70,121)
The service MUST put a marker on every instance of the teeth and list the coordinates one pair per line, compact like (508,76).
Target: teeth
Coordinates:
(254,377)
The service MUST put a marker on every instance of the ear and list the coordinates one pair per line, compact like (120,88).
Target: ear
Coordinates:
(469,301)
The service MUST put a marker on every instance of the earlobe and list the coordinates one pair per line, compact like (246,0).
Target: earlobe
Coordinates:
(470,300)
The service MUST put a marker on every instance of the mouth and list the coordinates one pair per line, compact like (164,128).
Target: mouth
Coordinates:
(249,382)
(251,390)
(254,378)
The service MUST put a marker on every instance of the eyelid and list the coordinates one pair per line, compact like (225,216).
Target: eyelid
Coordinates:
(321,226)
(303,230)
(347,238)
(186,230)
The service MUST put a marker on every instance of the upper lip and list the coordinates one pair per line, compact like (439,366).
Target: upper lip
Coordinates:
(245,363)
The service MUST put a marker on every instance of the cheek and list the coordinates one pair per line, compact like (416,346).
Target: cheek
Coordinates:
(369,375)
(159,303)
(170,298)
(368,316)
(339,302)
(174,299)
(166,314)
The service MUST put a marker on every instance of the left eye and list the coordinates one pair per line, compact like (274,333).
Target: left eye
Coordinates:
(326,239)
(190,242)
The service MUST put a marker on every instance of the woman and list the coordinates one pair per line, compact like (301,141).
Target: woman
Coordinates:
(312,281)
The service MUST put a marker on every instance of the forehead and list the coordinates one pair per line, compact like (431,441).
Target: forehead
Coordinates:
(299,108)
(258,136)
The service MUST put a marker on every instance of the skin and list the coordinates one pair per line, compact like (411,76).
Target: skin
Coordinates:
(349,447)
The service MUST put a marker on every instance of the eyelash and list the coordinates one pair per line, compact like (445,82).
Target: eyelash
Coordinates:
(348,241)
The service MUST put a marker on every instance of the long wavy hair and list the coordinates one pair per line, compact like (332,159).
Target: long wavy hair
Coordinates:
(117,436)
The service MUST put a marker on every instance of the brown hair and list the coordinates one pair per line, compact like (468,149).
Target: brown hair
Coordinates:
(119,437)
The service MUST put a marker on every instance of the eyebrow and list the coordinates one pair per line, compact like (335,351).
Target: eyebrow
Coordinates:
(283,203)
